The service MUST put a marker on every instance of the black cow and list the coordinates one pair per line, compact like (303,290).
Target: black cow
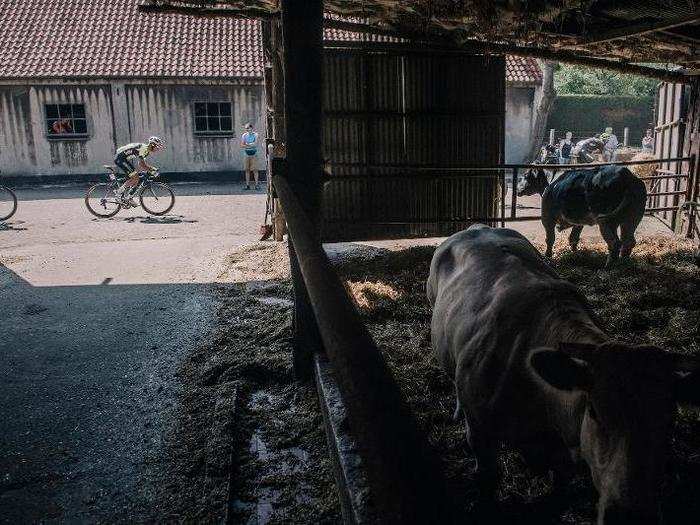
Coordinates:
(609,196)
(532,367)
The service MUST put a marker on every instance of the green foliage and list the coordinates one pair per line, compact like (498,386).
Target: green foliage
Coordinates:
(579,80)
(585,115)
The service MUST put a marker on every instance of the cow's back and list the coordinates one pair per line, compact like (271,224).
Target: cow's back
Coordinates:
(492,293)
(476,276)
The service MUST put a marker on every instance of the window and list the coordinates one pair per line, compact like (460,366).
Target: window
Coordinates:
(66,120)
(213,118)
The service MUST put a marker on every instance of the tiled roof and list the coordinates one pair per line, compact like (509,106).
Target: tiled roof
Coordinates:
(111,38)
(523,69)
(97,38)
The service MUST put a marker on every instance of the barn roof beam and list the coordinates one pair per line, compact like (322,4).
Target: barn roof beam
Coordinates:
(448,42)
(639,29)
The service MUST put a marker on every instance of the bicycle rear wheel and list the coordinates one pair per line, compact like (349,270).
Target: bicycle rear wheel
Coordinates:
(157,198)
(101,201)
(8,203)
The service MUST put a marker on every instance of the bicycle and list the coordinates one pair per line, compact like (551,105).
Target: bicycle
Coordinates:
(155,197)
(8,203)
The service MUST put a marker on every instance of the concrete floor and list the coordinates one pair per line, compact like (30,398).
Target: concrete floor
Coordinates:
(97,316)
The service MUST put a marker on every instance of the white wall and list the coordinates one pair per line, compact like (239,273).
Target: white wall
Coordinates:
(117,114)
(167,111)
(25,148)
(519,119)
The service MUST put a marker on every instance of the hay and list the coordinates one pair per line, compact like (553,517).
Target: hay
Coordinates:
(644,170)
(367,295)
(625,153)
(256,262)
(652,299)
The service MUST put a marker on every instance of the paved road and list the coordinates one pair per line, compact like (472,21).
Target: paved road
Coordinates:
(97,315)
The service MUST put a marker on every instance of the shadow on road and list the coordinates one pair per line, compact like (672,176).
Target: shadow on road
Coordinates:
(167,219)
(181,189)
(12,226)
(87,393)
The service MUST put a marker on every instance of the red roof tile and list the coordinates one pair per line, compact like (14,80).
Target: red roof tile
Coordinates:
(523,69)
(96,38)
(111,38)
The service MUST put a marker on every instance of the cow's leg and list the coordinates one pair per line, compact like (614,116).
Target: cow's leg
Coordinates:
(609,232)
(574,237)
(549,232)
(485,449)
(458,406)
(627,228)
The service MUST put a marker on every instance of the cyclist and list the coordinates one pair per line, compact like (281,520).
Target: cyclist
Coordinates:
(136,151)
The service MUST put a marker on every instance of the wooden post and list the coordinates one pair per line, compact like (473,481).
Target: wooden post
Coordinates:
(302,32)
(551,136)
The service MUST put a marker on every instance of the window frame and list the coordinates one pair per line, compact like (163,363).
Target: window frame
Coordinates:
(208,132)
(66,136)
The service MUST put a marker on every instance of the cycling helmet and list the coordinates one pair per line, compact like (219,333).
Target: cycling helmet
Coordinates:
(156,142)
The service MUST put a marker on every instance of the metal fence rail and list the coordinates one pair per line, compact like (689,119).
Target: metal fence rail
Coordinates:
(407,480)
(506,176)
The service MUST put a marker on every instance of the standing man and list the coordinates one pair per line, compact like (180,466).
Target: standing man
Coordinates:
(249,145)
(648,142)
(565,147)
(611,144)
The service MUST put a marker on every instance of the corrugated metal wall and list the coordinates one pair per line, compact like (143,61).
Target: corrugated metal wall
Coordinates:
(389,116)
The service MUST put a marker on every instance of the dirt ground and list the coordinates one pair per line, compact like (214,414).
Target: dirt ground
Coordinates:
(283,472)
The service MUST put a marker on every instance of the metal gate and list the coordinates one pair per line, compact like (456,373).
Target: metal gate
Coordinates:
(670,185)
(392,120)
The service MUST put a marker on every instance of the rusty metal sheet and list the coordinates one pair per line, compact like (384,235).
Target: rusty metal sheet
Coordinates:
(388,113)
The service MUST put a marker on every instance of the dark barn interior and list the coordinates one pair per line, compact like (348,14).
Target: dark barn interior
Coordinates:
(367,85)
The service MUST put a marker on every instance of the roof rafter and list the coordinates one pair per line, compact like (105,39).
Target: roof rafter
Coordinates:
(639,29)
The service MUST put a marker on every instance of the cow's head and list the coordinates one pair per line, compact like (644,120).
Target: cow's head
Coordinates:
(534,181)
(630,396)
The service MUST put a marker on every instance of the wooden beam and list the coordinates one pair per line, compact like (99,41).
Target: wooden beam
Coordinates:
(479,47)
(639,29)
(302,34)
(175,7)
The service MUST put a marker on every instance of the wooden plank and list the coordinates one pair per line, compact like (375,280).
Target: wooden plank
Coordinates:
(302,31)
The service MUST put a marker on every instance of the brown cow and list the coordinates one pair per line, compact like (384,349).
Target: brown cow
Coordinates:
(532,367)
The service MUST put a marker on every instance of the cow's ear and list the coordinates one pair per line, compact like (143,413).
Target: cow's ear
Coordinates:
(687,388)
(584,351)
(561,371)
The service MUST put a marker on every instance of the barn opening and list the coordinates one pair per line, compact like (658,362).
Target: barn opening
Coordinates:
(326,322)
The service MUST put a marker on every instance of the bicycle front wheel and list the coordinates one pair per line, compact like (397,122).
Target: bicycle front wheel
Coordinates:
(8,203)
(157,198)
(101,201)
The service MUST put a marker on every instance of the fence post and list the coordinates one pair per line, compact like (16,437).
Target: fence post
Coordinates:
(551,136)
(302,35)
(626,137)
(514,196)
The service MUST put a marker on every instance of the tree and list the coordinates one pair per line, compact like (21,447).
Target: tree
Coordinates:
(580,80)
(544,106)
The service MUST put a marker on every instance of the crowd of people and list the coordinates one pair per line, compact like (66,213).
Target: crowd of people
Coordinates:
(601,146)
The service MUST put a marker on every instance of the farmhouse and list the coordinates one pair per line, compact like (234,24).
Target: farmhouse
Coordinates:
(72,89)
(79,78)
